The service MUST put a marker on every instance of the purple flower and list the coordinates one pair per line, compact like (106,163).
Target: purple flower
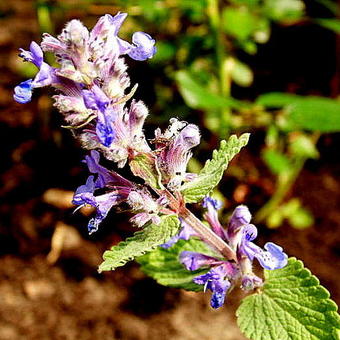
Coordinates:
(92,79)
(143,46)
(184,234)
(174,147)
(250,282)
(34,55)
(23,92)
(45,76)
(271,258)
(240,217)
(98,101)
(211,216)
(217,281)
(119,190)
(224,274)
(211,202)
(193,260)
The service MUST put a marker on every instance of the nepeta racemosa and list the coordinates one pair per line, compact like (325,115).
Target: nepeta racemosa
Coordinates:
(92,83)
(173,245)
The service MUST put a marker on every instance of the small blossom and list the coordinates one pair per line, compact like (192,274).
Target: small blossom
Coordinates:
(175,151)
(217,281)
(250,282)
(23,92)
(143,46)
(147,207)
(240,217)
(184,234)
(271,258)
(211,216)
(45,76)
(96,100)
(193,260)
(119,190)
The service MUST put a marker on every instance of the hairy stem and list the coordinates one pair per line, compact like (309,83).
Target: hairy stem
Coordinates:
(201,229)
(207,234)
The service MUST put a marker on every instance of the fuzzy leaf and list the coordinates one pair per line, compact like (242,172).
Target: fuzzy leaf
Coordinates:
(145,166)
(163,264)
(213,169)
(141,242)
(292,306)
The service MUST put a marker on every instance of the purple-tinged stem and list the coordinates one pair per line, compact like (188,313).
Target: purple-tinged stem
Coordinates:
(207,234)
(202,230)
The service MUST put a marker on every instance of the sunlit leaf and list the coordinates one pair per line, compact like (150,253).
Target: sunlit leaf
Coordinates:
(291,306)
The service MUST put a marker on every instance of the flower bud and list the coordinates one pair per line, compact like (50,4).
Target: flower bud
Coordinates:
(75,33)
(250,282)
(241,216)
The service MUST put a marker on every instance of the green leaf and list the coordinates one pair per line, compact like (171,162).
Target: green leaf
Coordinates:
(144,165)
(301,219)
(303,146)
(241,73)
(310,113)
(197,96)
(291,306)
(296,214)
(276,161)
(331,24)
(141,242)
(163,265)
(239,22)
(213,170)
(165,52)
(314,114)
(283,10)
(276,99)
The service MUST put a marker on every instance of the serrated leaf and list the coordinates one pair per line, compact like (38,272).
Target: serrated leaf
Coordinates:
(141,242)
(145,166)
(213,170)
(163,265)
(292,306)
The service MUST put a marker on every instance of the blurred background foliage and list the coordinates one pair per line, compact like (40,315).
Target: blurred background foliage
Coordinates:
(208,70)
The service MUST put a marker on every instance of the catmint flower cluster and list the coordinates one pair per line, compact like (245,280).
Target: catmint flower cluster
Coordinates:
(92,93)
(223,275)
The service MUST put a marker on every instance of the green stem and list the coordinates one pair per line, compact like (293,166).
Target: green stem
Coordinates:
(222,69)
(284,184)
